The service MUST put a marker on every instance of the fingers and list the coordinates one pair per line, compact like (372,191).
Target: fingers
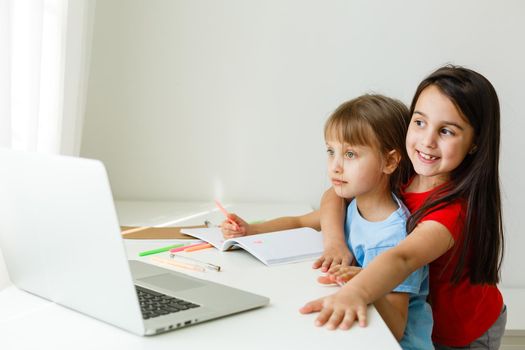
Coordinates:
(339,274)
(334,269)
(230,231)
(329,316)
(233,216)
(234,226)
(324,315)
(237,220)
(333,315)
(361,316)
(312,306)
(337,318)
(234,221)
(344,273)
(341,280)
(317,264)
(331,262)
(326,264)
(348,320)
(336,275)
(326,279)
(330,259)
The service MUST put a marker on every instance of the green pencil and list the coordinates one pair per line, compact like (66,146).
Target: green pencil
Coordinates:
(160,250)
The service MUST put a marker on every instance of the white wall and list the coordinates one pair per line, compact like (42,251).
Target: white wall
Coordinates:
(192,99)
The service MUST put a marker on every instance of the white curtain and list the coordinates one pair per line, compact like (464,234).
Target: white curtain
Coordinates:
(44,51)
(44,60)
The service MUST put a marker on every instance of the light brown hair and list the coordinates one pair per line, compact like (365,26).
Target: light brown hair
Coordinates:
(376,121)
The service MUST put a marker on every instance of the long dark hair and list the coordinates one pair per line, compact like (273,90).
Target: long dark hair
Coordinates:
(476,180)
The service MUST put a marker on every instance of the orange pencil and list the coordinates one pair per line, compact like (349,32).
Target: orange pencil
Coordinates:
(193,267)
(198,247)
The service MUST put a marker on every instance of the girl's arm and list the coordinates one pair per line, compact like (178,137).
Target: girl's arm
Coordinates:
(283,223)
(393,307)
(333,212)
(427,242)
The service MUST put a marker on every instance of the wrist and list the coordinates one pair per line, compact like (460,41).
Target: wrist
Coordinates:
(334,242)
(350,289)
(252,229)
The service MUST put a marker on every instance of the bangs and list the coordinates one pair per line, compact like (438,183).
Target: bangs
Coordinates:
(350,129)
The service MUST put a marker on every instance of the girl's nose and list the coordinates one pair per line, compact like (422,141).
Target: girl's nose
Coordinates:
(428,139)
(337,165)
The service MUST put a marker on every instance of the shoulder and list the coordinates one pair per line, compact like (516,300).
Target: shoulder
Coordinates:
(351,210)
(451,215)
(402,212)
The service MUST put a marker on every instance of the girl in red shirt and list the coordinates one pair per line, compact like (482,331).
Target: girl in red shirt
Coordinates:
(456,225)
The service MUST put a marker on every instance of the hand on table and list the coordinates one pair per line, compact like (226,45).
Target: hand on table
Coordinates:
(339,310)
(334,255)
(339,274)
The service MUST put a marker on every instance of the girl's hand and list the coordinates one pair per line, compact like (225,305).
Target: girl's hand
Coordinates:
(333,255)
(339,274)
(229,230)
(339,310)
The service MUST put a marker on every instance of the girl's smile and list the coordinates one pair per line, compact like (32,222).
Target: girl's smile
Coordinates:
(426,158)
(438,139)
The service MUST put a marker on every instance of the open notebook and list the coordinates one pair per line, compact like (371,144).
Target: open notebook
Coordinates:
(271,248)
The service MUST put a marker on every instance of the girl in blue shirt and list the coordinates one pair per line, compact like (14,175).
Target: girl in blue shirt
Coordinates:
(367,162)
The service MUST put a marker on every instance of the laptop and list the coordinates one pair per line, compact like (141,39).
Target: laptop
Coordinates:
(60,237)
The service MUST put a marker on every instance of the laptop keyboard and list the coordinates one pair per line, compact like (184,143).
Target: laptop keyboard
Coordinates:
(154,304)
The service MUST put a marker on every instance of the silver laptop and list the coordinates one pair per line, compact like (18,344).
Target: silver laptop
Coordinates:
(61,240)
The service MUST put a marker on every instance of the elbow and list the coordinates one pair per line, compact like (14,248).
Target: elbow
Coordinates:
(398,334)
(399,330)
(396,325)
(316,226)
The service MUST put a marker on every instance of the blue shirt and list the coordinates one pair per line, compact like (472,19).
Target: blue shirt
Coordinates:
(367,240)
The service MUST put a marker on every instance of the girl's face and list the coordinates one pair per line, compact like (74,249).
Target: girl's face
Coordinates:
(354,170)
(439,136)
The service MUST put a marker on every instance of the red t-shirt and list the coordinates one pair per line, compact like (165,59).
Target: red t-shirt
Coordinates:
(462,312)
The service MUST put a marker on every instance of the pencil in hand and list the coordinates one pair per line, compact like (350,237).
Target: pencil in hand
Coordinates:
(225,212)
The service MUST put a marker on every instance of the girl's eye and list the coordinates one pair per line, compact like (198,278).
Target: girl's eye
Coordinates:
(350,154)
(447,132)
(330,152)
(419,122)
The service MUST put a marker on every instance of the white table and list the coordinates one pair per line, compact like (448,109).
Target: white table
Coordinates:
(29,322)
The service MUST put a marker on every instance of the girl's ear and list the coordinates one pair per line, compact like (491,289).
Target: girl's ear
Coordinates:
(392,160)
